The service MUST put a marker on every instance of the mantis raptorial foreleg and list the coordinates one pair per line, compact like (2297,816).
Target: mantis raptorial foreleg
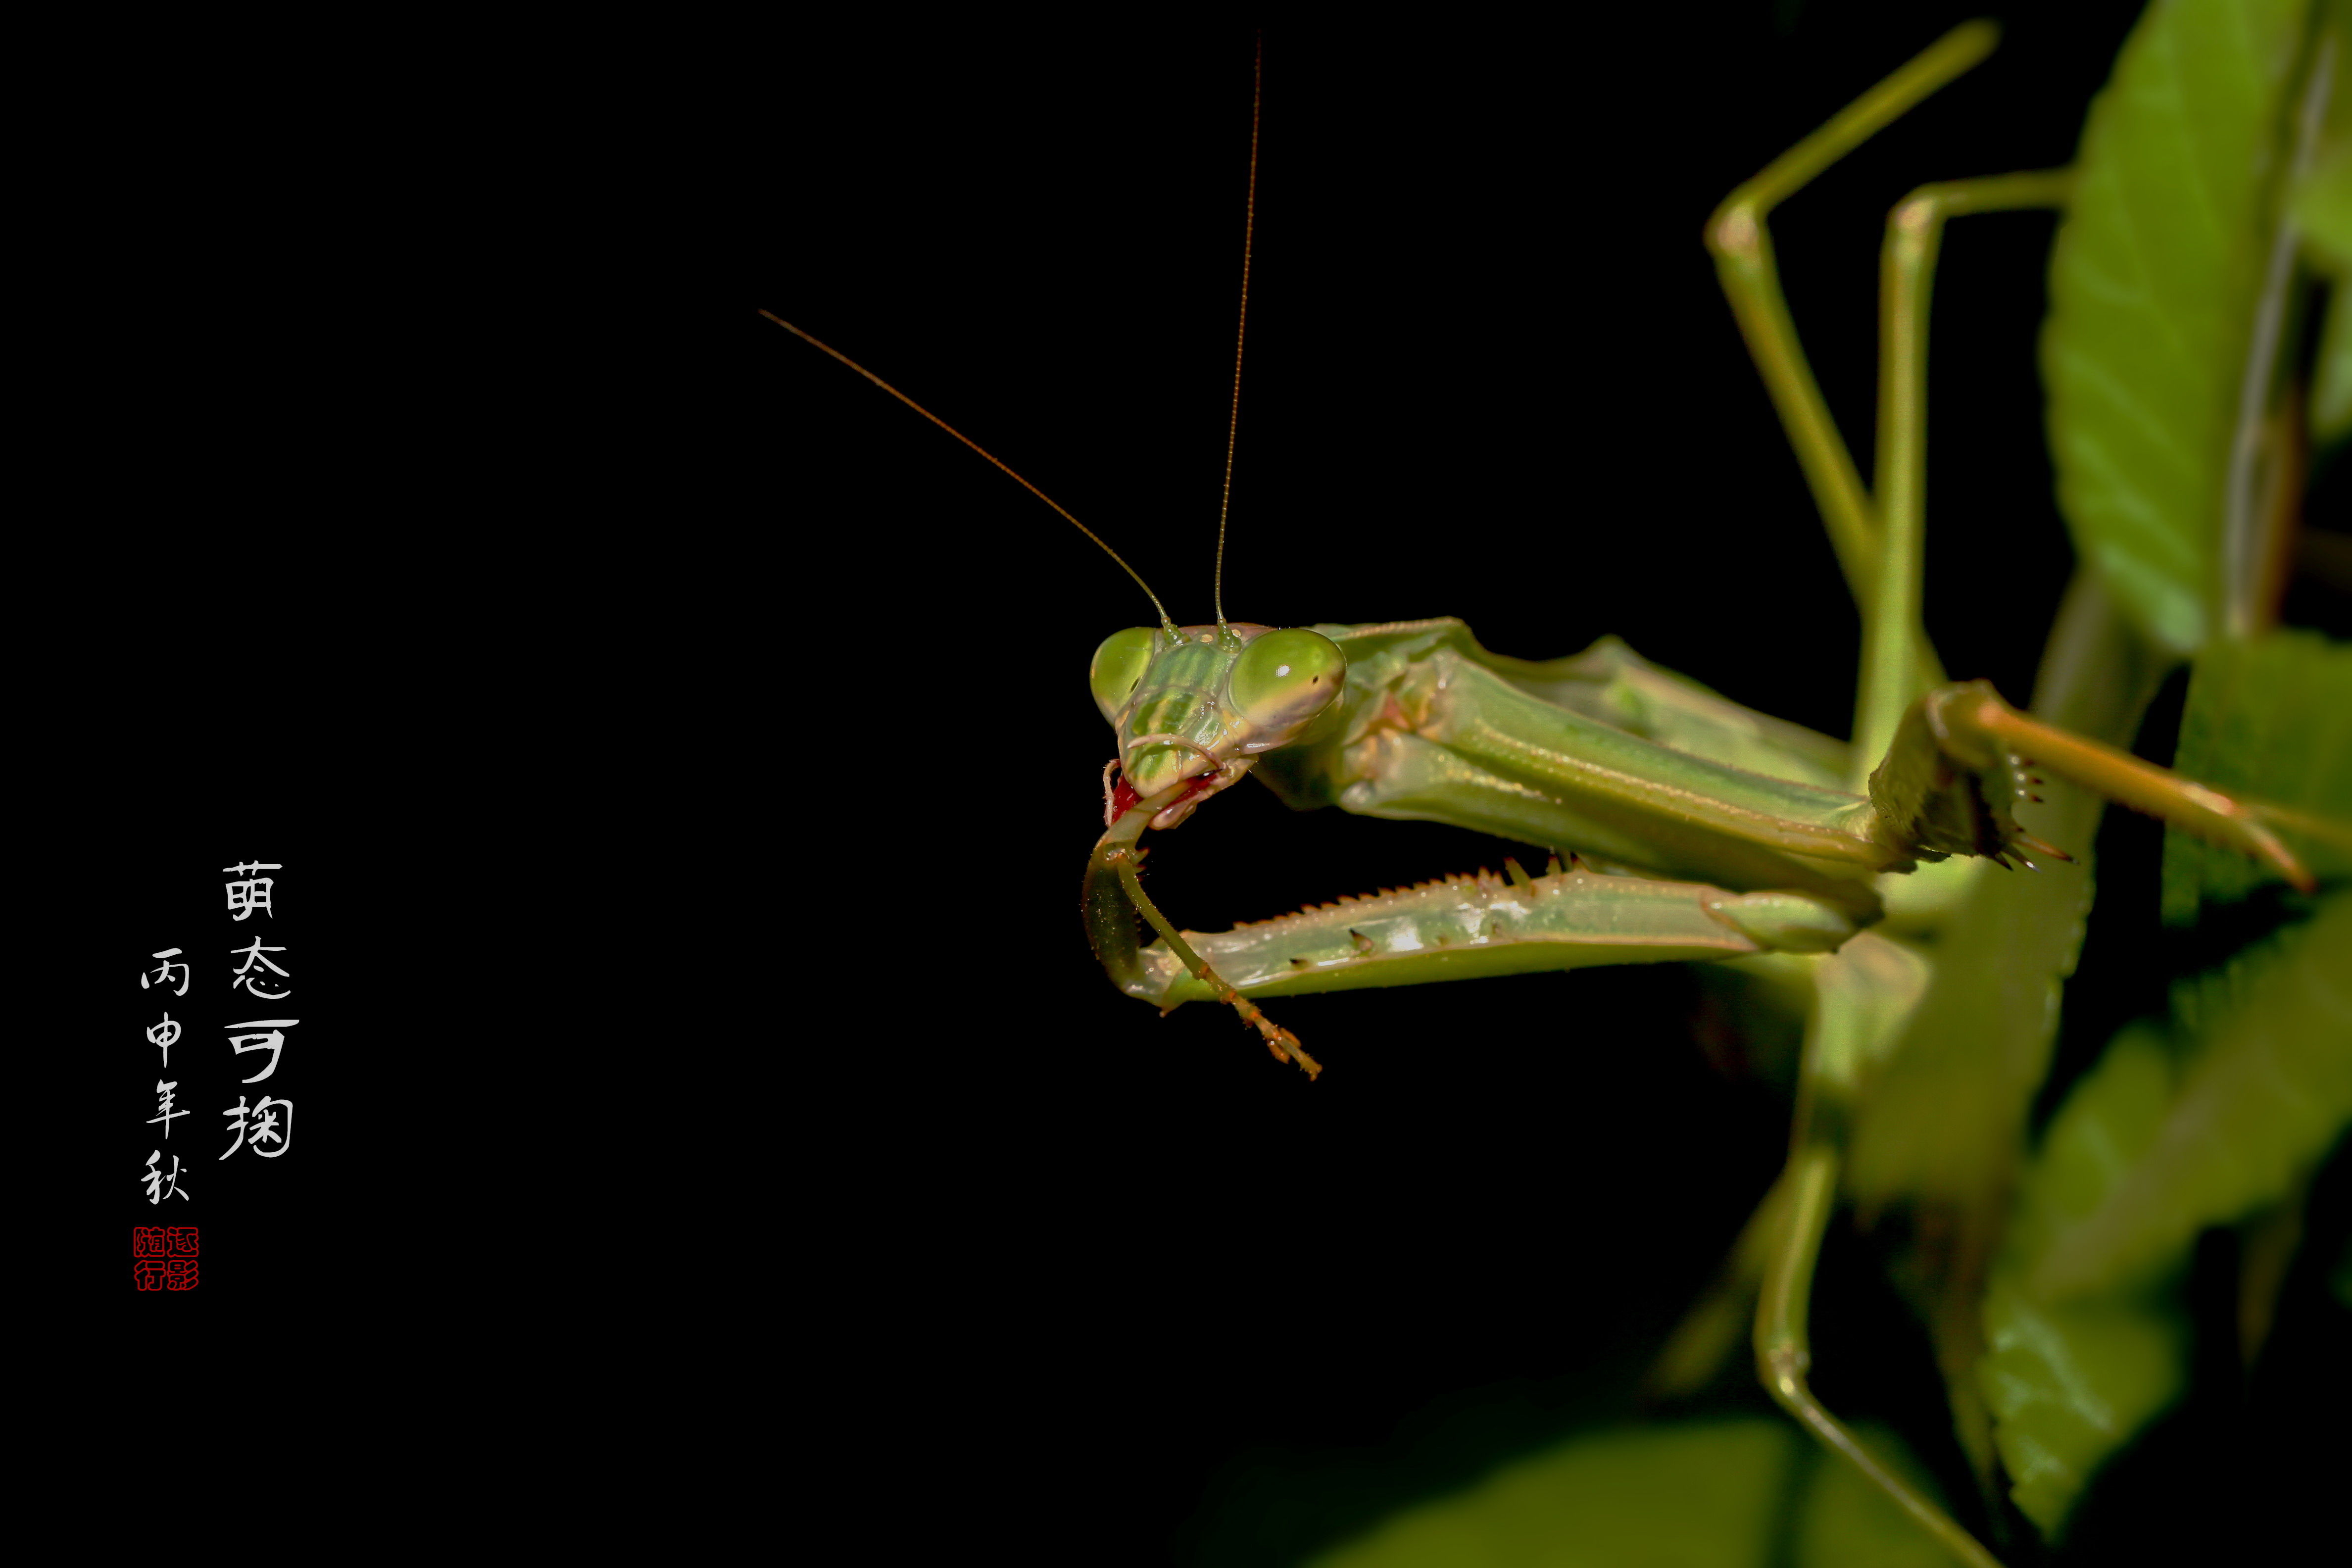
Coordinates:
(1115,861)
(1730,859)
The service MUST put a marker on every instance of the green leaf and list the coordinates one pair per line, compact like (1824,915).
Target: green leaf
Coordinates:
(1705,1495)
(2069,1384)
(1724,1494)
(2331,390)
(2272,719)
(2321,206)
(2153,287)
(2175,1129)
(2266,1092)
(1844,1522)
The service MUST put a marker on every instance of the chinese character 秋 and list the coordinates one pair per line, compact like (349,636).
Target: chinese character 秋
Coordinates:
(264,1128)
(251,981)
(163,974)
(272,1041)
(155,1180)
(247,896)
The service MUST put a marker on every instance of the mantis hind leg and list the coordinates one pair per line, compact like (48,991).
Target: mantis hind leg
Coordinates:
(1864,999)
(1784,1354)
(1926,797)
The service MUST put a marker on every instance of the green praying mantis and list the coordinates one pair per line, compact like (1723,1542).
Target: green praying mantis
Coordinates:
(1705,829)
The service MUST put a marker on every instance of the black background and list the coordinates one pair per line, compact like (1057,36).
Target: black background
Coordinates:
(1123,1281)
(681,760)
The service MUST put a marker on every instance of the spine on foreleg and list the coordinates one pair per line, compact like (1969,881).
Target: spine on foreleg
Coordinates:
(1465,928)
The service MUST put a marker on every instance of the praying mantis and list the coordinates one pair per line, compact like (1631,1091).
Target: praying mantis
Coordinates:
(1453,1024)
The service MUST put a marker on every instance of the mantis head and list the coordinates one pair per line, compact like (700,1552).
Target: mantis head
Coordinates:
(1193,712)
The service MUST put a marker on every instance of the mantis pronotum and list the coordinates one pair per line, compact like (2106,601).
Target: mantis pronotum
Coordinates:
(1462,1024)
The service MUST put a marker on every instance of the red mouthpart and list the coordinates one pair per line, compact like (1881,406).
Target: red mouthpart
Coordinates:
(1123,795)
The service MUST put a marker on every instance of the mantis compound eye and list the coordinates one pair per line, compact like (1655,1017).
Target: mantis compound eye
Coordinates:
(1119,669)
(1285,679)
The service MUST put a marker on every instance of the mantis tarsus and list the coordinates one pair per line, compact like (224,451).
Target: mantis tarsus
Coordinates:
(1464,1024)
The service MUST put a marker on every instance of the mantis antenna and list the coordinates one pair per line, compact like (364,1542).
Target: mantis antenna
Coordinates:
(1166,625)
(1232,422)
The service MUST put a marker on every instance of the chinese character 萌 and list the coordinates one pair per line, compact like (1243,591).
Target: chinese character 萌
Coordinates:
(247,896)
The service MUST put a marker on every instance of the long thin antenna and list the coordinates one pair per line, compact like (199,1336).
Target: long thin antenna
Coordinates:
(1233,425)
(1166,625)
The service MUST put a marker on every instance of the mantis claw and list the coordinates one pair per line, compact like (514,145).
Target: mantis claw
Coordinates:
(1279,1040)
(2041,846)
(1948,781)
(1110,926)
